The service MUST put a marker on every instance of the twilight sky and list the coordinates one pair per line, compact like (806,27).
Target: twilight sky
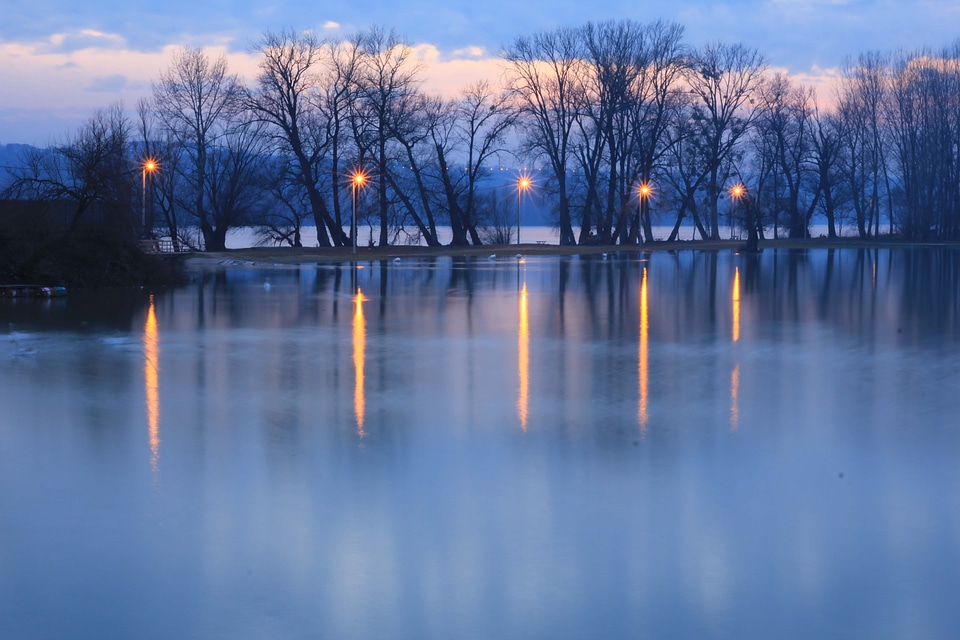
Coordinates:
(61,59)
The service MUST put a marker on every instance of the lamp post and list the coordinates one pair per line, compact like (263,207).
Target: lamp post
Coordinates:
(644,191)
(736,192)
(356,184)
(149,165)
(523,183)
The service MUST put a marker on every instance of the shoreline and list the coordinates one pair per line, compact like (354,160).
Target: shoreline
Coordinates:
(299,255)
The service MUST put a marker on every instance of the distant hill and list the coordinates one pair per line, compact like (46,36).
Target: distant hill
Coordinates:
(534,207)
(11,156)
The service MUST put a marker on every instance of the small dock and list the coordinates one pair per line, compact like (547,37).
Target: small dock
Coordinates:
(31,291)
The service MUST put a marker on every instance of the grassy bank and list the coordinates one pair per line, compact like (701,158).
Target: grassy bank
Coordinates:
(293,255)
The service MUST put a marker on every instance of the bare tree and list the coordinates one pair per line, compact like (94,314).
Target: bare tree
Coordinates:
(90,172)
(415,118)
(687,165)
(197,100)
(924,124)
(724,79)
(630,73)
(484,118)
(616,57)
(82,184)
(467,134)
(284,216)
(237,181)
(785,125)
(546,75)
(336,99)
(495,218)
(387,78)
(826,152)
(658,98)
(164,184)
(862,104)
(289,68)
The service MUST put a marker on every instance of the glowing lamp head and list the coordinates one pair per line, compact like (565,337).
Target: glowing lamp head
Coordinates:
(736,191)
(524,183)
(150,165)
(644,190)
(359,179)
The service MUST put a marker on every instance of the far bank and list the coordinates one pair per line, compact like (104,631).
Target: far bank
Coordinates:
(297,255)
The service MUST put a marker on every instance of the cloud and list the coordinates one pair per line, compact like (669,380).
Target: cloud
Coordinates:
(449,78)
(42,81)
(825,83)
(63,87)
(447,75)
(85,39)
(426,52)
(96,57)
(108,84)
(810,4)
(470,52)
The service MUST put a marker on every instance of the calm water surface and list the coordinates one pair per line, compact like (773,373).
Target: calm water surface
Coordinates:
(691,445)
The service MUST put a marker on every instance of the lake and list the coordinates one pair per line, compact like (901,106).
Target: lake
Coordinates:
(667,445)
(244,237)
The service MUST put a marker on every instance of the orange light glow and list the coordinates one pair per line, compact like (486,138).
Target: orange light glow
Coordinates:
(737,191)
(359,349)
(645,190)
(524,182)
(735,398)
(151,375)
(643,365)
(735,374)
(523,360)
(150,165)
(357,177)
(735,295)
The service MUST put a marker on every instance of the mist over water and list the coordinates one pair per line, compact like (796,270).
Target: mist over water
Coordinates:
(669,445)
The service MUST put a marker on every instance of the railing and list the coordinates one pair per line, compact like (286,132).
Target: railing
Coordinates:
(162,245)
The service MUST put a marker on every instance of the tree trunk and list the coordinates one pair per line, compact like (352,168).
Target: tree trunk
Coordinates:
(382,190)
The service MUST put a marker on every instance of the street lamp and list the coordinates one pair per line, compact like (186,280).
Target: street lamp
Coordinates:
(149,165)
(356,183)
(644,191)
(737,191)
(523,183)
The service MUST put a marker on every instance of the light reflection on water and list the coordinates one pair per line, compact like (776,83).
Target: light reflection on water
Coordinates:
(523,359)
(643,355)
(671,446)
(735,374)
(359,348)
(151,371)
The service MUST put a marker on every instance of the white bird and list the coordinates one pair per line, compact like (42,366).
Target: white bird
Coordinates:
(519,256)
(492,256)
(396,259)
(604,256)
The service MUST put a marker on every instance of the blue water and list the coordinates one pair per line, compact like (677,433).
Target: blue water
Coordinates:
(688,445)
